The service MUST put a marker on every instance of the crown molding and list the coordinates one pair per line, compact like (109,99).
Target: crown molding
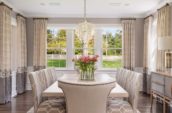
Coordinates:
(161,4)
(16,10)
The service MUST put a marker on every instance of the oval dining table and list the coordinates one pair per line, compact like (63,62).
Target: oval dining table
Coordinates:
(55,91)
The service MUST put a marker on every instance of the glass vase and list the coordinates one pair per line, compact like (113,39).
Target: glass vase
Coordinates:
(87,75)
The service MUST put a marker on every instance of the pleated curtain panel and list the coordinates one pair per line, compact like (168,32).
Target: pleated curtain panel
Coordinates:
(40,42)
(147,50)
(5,54)
(128,43)
(163,31)
(21,55)
(147,37)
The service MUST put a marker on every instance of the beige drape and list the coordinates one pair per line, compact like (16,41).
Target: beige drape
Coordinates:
(5,54)
(40,41)
(128,43)
(147,36)
(21,54)
(147,49)
(164,30)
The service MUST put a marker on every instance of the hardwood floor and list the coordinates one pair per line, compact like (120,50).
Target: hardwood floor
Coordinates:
(22,103)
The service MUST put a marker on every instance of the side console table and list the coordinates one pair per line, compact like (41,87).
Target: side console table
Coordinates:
(161,88)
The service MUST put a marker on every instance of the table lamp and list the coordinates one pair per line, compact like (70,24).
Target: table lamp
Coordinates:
(166,44)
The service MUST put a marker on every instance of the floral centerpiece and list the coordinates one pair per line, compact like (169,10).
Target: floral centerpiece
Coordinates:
(86,66)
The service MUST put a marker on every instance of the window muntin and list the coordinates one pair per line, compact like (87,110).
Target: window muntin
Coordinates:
(56,47)
(58,44)
(83,48)
(112,48)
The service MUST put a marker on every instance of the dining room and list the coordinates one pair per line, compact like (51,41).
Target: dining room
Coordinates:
(85,56)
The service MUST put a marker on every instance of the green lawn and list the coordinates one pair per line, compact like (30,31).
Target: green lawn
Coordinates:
(56,63)
(106,64)
(112,64)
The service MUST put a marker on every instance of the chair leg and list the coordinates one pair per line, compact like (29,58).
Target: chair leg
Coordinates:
(164,106)
(151,108)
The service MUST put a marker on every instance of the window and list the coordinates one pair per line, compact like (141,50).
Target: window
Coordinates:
(83,48)
(63,44)
(112,48)
(56,47)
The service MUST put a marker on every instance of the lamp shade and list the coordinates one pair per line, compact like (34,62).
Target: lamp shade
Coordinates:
(165,43)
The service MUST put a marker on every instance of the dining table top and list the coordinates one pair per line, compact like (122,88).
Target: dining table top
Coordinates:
(54,91)
(99,79)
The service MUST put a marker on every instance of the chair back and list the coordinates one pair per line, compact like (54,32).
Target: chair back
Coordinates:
(38,83)
(50,76)
(132,87)
(86,98)
(121,77)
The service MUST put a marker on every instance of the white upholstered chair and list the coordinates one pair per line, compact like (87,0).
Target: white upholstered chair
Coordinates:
(38,83)
(129,80)
(86,98)
(50,76)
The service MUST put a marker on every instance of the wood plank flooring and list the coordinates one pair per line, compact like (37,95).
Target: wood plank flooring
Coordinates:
(22,103)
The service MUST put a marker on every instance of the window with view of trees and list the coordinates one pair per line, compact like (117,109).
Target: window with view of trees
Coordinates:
(56,47)
(112,48)
(64,44)
(80,47)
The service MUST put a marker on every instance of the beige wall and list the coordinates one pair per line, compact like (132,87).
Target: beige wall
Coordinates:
(139,33)
(29,34)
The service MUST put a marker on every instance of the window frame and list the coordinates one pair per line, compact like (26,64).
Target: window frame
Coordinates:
(70,51)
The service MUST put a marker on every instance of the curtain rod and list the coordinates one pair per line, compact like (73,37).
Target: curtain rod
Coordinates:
(40,18)
(148,16)
(2,3)
(167,4)
(18,14)
(128,18)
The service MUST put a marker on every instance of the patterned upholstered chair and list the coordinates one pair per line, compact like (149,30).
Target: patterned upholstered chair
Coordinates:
(38,83)
(132,87)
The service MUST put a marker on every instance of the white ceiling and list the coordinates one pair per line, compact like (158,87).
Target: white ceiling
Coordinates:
(74,8)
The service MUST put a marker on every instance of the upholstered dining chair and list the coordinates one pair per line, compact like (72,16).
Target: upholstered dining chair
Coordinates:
(86,98)
(50,76)
(38,83)
(121,77)
(132,87)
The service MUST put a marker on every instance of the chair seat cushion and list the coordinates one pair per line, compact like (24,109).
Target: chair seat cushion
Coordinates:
(118,106)
(52,106)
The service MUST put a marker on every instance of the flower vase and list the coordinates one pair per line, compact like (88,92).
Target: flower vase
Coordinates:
(87,75)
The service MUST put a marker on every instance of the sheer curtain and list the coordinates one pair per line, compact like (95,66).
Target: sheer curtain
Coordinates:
(21,55)
(128,43)
(40,41)
(150,49)
(147,43)
(153,45)
(5,54)
(163,31)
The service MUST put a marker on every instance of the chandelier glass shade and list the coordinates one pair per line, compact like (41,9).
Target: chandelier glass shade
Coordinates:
(85,30)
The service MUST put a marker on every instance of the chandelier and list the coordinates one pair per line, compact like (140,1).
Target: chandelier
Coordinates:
(85,30)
